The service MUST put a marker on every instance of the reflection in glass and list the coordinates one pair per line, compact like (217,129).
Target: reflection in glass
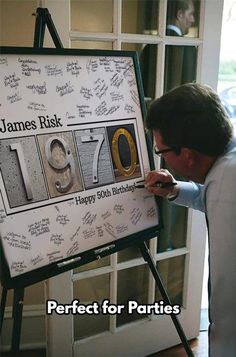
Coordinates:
(88,15)
(182,18)
(140,16)
(88,291)
(172,276)
(93,265)
(129,253)
(147,59)
(33,295)
(132,284)
(93,45)
(180,65)
(17,23)
(173,235)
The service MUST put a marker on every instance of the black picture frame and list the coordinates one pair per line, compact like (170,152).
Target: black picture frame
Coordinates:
(58,267)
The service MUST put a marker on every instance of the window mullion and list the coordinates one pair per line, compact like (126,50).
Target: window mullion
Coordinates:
(117,12)
(162,18)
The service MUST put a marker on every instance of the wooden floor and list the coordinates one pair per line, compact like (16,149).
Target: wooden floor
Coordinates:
(199,347)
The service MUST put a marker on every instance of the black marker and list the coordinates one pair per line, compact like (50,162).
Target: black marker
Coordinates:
(158,184)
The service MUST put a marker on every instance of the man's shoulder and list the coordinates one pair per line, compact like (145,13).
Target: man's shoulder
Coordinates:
(170,32)
(220,182)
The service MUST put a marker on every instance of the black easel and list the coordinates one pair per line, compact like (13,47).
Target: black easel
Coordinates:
(147,257)
(43,18)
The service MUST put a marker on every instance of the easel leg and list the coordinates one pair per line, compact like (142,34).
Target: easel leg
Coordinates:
(3,304)
(39,31)
(147,257)
(17,318)
(44,18)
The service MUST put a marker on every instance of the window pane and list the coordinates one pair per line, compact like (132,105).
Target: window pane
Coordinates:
(172,276)
(140,16)
(88,291)
(33,295)
(147,58)
(132,252)
(132,284)
(129,253)
(173,235)
(17,23)
(180,65)
(88,15)
(182,18)
(93,45)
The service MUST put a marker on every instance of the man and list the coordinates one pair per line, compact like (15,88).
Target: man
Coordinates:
(180,17)
(195,137)
(180,61)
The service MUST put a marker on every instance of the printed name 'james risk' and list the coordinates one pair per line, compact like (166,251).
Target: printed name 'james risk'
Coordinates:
(45,122)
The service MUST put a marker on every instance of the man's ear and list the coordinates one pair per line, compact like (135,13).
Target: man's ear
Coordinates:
(189,156)
(179,14)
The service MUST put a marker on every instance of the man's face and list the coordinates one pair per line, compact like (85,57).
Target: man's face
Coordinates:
(186,18)
(180,163)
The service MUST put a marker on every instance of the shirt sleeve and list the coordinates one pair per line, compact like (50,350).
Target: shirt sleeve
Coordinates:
(190,195)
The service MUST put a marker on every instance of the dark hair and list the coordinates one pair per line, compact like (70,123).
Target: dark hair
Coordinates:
(191,116)
(174,6)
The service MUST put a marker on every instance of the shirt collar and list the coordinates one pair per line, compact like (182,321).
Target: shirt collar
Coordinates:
(175,29)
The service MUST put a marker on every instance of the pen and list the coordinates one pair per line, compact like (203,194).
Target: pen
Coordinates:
(104,249)
(67,262)
(157,184)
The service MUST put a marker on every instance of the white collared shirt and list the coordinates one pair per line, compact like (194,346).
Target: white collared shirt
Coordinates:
(217,197)
(175,29)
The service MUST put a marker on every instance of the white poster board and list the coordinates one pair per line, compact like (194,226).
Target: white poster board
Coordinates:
(72,147)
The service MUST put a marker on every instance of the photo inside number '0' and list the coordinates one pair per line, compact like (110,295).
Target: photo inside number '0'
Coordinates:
(92,227)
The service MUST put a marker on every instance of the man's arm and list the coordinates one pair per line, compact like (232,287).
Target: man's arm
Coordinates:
(187,194)
(190,195)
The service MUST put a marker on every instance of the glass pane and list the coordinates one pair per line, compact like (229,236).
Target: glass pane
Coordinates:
(132,252)
(140,16)
(93,265)
(147,59)
(93,45)
(91,290)
(128,254)
(172,276)
(132,284)
(173,234)
(184,59)
(180,65)
(88,15)
(33,295)
(182,18)
(17,23)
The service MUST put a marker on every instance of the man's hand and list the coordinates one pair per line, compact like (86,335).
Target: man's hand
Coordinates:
(164,176)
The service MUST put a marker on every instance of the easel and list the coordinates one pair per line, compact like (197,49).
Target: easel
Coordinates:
(43,18)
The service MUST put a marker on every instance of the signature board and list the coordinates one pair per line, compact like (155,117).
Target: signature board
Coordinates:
(72,148)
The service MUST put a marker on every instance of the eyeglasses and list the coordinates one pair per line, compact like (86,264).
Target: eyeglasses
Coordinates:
(161,152)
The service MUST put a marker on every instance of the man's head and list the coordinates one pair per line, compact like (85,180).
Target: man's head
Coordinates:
(191,121)
(181,14)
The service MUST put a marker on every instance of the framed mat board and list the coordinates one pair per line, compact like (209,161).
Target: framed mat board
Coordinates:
(72,148)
